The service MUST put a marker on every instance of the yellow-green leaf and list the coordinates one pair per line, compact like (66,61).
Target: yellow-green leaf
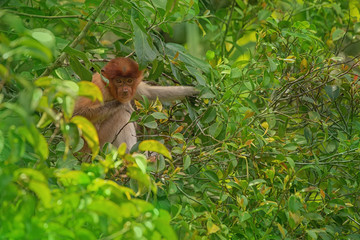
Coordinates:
(88,132)
(211,227)
(42,191)
(154,146)
(90,90)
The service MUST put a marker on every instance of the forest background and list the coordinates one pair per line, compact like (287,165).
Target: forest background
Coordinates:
(268,150)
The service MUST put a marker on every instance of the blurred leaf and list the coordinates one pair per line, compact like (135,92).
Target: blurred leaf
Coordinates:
(42,191)
(37,184)
(141,161)
(337,34)
(90,90)
(80,70)
(332,91)
(215,129)
(88,132)
(26,47)
(212,176)
(294,204)
(186,162)
(118,189)
(211,228)
(144,48)
(154,146)
(163,226)
(14,22)
(68,178)
(44,36)
(209,115)
(68,106)
(2,141)
(314,116)
(77,54)
(272,64)
(308,134)
(112,210)
(159,115)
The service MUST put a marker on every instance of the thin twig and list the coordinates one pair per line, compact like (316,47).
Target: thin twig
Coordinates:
(227,29)
(44,16)
(82,34)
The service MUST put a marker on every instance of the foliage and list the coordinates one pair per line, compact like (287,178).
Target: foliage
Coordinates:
(269,149)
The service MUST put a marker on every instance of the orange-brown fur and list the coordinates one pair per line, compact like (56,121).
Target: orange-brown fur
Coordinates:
(111,118)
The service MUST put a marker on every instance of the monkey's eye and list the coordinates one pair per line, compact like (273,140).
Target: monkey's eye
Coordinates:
(129,81)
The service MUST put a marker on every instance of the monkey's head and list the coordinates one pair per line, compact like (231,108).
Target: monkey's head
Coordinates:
(124,77)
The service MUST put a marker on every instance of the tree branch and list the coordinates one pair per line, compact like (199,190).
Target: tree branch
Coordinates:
(44,16)
(76,41)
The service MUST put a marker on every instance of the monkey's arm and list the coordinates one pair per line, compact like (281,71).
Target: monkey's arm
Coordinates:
(95,111)
(168,93)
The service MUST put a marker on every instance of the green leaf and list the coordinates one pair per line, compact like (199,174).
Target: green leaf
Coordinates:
(212,176)
(174,49)
(244,216)
(68,178)
(186,162)
(30,173)
(44,36)
(149,121)
(256,182)
(90,90)
(272,64)
(162,224)
(294,204)
(2,141)
(29,47)
(209,115)
(159,115)
(80,70)
(37,183)
(154,146)
(215,129)
(88,132)
(99,183)
(308,134)
(144,48)
(42,191)
(113,210)
(36,139)
(76,53)
(14,22)
(314,116)
(141,161)
(210,55)
(68,105)
(338,34)
(291,146)
(332,91)
(291,162)
(152,125)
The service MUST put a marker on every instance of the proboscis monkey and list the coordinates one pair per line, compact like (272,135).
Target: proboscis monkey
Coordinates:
(120,81)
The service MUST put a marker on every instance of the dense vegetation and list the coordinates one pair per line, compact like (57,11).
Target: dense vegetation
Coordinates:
(268,150)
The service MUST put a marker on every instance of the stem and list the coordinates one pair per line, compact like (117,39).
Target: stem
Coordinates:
(43,16)
(227,29)
(76,41)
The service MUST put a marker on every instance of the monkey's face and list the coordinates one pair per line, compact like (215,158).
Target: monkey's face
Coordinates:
(125,88)
(124,76)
